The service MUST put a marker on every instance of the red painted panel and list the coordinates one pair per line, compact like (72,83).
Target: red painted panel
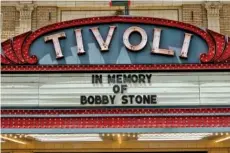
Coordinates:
(115,111)
(117,122)
(120,67)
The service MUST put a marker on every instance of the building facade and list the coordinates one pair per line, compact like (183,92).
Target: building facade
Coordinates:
(83,76)
(19,17)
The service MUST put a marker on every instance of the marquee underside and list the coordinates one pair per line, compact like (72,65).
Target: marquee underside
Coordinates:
(38,98)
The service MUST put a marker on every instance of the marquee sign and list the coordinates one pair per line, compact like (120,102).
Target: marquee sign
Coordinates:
(115,89)
(119,87)
(116,43)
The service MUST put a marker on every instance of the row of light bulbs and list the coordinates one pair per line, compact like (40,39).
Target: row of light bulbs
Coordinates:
(221,133)
(107,134)
(122,134)
(15,135)
(134,135)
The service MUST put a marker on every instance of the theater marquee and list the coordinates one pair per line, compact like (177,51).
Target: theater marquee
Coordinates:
(116,43)
(116,56)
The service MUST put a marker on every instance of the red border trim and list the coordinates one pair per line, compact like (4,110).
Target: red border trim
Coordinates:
(124,67)
(116,122)
(96,111)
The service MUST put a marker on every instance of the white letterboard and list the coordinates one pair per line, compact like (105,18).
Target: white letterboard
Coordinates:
(66,89)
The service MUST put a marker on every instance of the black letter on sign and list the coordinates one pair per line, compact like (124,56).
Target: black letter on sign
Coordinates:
(83,100)
(123,88)
(116,89)
(111,78)
(124,99)
(153,99)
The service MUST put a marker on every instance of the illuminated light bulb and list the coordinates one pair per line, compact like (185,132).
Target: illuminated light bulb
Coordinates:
(103,134)
(10,135)
(227,133)
(221,134)
(123,134)
(216,133)
(108,134)
(128,135)
(15,137)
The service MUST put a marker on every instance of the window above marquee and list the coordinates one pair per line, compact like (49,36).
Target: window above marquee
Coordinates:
(172,14)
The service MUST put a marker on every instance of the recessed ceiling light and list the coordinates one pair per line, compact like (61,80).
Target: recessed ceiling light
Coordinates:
(66,137)
(172,136)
